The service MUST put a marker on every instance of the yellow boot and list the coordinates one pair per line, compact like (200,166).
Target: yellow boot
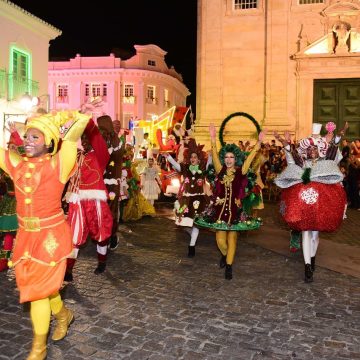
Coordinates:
(64,318)
(38,350)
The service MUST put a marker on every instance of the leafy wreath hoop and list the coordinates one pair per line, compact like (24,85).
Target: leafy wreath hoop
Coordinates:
(228,118)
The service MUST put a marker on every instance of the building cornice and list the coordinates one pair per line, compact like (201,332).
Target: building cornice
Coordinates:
(22,17)
(143,74)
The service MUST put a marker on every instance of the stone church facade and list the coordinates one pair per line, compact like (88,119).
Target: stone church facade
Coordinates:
(286,63)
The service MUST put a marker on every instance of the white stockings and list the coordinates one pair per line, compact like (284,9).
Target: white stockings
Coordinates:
(310,243)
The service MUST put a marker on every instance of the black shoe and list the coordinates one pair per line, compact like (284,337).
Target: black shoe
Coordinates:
(222,262)
(313,264)
(191,252)
(308,274)
(228,272)
(68,276)
(100,268)
(114,242)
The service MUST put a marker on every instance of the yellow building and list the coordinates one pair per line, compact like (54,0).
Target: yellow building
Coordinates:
(286,63)
(24,56)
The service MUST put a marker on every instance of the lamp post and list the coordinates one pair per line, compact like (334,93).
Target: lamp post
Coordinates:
(27,102)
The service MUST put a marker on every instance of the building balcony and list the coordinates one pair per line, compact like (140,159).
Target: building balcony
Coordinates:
(129,99)
(153,101)
(62,99)
(13,87)
(3,83)
(91,98)
(166,103)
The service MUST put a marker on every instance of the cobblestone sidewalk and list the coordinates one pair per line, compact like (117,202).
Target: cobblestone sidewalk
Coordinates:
(155,303)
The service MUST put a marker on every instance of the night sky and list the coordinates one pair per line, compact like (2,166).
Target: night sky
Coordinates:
(117,25)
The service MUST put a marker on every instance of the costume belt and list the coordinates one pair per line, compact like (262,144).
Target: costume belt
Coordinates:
(36,224)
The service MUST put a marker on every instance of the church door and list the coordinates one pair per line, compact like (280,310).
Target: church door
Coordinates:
(338,100)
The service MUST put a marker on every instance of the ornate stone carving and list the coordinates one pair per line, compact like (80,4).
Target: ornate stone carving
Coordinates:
(341,30)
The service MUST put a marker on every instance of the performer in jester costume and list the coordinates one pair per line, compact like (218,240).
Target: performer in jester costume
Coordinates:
(43,240)
(230,188)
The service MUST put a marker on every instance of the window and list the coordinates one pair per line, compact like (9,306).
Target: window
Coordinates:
(20,74)
(303,2)
(166,98)
(20,65)
(95,90)
(245,4)
(128,90)
(62,92)
(151,63)
(151,94)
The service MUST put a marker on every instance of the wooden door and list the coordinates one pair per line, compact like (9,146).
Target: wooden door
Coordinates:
(338,100)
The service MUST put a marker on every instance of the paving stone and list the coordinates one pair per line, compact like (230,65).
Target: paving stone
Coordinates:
(154,303)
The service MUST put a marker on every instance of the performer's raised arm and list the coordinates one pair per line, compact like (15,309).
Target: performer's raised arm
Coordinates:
(215,155)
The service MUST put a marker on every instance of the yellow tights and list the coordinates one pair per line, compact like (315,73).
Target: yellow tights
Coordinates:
(40,312)
(226,241)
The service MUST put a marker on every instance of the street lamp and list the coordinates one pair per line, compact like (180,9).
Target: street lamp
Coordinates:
(27,102)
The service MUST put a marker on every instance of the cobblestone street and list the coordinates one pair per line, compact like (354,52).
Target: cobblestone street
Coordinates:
(153,302)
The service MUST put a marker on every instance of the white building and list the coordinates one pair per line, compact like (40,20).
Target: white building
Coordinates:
(24,55)
(140,88)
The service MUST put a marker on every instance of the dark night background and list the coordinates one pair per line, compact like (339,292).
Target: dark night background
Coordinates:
(117,25)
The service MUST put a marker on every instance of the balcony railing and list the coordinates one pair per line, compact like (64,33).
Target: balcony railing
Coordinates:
(88,97)
(2,83)
(62,99)
(151,101)
(129,99)
(18,86)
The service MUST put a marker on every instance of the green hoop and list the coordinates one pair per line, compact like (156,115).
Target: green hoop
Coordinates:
(227,119)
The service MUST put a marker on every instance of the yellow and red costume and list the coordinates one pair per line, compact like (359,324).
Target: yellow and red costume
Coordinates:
(43,241)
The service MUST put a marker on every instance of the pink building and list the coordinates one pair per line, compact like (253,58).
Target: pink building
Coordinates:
(140,88)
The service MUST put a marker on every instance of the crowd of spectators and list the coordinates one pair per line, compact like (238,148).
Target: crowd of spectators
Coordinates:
(350,167)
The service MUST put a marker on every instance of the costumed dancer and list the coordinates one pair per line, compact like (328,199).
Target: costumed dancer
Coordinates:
(150,182)
(8,216)
(191,199)
(113,172)
(225,215)
(89,213)
(43,241)
(137,206)
(312,197)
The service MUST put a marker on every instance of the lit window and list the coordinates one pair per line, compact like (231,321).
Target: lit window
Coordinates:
(303,2)
(128,90)
(245,4)
(62,90)
(151,92)
(95,90)
(151,63)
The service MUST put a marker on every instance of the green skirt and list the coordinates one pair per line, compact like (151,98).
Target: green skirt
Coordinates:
(251,224)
